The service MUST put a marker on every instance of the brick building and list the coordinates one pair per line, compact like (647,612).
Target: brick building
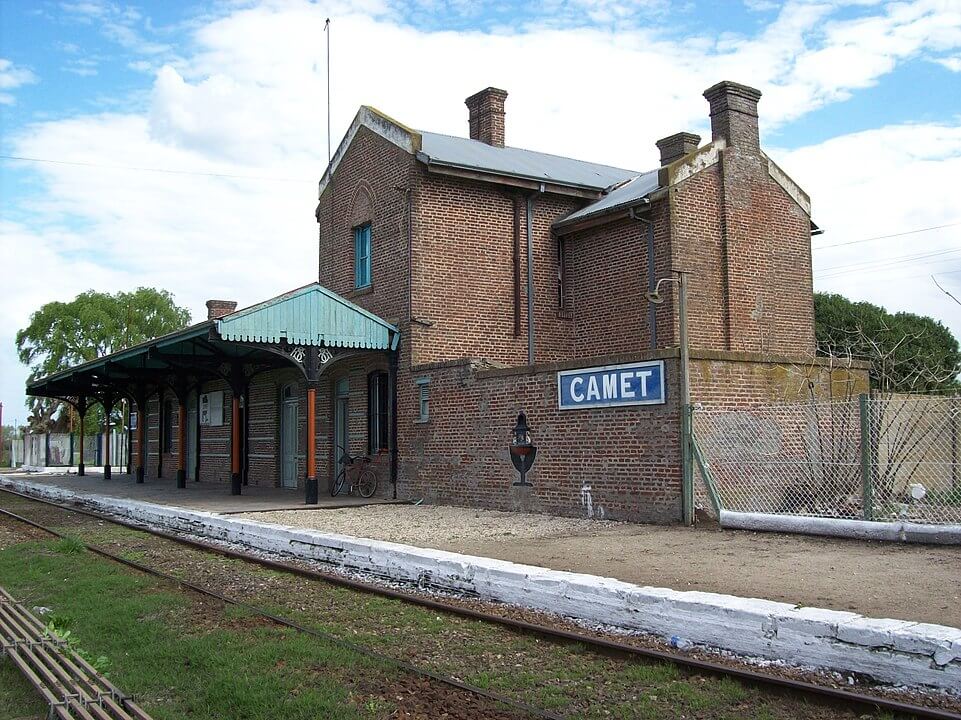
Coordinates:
(461,281)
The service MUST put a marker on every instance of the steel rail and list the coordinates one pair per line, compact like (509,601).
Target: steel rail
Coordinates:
(603,644)
(280,620)
(46,661)
(78,669)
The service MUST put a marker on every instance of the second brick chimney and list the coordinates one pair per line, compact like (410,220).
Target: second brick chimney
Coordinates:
(734,114)
(487,116)
(676,146)
(219,308)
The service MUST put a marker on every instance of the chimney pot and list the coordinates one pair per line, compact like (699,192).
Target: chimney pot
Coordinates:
(486,116)
(219,308)
(676,146)
(734,114)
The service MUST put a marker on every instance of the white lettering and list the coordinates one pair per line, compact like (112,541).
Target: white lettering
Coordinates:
(643,375)
(610,386)
(577,396)
(626,390)
(593,393)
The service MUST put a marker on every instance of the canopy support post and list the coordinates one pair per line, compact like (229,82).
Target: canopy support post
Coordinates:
(107,403)
(313,372)
(82,411)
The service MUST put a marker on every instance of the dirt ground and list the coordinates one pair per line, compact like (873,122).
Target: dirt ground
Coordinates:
(911,582)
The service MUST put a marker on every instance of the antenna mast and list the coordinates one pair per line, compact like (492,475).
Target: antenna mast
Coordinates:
(327,30)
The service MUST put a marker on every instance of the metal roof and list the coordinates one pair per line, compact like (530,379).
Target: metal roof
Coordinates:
(623,196)
(457,152)
(311,315)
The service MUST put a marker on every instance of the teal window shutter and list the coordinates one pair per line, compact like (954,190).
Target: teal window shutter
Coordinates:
(362,256)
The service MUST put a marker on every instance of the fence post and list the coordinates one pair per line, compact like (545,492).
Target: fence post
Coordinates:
(867,480)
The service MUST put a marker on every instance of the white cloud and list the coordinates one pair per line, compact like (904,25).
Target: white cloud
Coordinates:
(12,77)
(249,99)
(951,63)
(881,182)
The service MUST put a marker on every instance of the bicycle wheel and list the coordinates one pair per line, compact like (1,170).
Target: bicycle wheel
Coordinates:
(367,483)
(338,485)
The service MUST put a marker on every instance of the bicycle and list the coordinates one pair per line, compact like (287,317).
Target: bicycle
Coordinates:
(362,478)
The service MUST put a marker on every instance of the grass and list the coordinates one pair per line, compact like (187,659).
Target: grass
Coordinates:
(223,666)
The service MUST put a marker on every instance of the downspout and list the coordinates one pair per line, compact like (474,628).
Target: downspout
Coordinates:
(392,382)
(517,265)
(530,275)
(651,270)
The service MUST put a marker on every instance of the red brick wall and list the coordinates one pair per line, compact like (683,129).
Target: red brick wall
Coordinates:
(626,460)
(464,273)
(364,188)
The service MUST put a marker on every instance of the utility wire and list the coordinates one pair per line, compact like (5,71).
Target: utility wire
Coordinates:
(150,169)
(896,259)
(883,267)
(887,272)
(893,235)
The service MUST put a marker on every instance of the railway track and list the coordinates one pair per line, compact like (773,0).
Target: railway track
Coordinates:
(821,693)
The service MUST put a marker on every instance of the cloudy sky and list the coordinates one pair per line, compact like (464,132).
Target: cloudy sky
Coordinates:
(179,145)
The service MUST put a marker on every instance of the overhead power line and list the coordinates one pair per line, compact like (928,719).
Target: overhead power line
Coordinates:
(892,235)
(151,169)
(892,260)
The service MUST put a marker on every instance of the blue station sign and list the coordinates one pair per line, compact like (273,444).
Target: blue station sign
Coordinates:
(612,386)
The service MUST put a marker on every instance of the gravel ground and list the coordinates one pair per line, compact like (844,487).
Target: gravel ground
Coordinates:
(435,525)
(912,582)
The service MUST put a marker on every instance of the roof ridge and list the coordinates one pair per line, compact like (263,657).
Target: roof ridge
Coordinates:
(528,150)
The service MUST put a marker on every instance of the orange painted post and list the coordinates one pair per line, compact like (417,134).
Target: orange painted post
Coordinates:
(235,444)
(182,444)
(310,487)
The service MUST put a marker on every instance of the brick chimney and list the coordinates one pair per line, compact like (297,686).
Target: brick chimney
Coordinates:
(487,116)
(219,308)
(734,114)
(676,146)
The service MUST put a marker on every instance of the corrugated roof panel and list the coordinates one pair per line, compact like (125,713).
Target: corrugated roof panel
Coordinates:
(623,196)
(312,315)
(475,155)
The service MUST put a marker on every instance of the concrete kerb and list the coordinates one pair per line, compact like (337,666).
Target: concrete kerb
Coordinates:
(891,651)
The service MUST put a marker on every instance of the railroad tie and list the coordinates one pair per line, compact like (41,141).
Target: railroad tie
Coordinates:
(71,687)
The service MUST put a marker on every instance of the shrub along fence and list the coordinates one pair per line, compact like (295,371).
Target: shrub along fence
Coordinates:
(888,459)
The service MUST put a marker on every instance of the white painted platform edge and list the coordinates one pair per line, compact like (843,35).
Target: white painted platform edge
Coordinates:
(892,651)
(900,531)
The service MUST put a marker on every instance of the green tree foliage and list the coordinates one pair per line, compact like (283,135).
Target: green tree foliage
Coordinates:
(908,352)
(94,324)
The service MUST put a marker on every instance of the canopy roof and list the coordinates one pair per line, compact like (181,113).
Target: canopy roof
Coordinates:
(274,333)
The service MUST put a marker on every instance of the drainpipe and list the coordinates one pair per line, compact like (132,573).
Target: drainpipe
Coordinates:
(651,270)
(530,275)
(392,389)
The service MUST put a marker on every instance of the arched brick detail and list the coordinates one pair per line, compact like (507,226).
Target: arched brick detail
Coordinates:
(362,204)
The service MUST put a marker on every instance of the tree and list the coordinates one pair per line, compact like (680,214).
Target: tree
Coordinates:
(92,325)
(908,352)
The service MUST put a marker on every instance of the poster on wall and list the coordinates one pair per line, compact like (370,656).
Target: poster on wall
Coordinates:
(133,420)
(212,409)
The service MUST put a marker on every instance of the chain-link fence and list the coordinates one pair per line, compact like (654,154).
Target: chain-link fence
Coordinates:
(884,458)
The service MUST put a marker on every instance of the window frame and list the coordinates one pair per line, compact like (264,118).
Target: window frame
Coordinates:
(423,400)
(378,412)
(363,261)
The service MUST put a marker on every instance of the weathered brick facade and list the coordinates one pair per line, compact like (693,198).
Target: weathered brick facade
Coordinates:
(450,268)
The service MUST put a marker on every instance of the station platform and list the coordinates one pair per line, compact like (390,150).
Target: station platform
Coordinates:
(207,496)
